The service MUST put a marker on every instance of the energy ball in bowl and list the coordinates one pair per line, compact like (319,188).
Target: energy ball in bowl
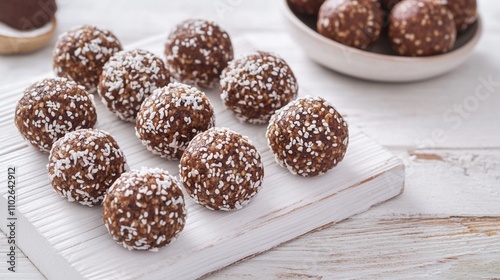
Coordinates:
(355,23)
(80,54)
(221,169)
(421,28)
(171,117)
(84,164)
(256,85)
(27,15)
(306,7)
(144,209)
(308,136)
(197,51)
(464,12)
(51,108)
(128,78)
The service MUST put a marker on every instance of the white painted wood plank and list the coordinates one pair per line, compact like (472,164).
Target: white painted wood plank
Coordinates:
(133,20)
(24,268)
(444,183)
(79,246)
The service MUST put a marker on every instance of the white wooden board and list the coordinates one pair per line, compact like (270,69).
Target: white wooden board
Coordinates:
(69,241)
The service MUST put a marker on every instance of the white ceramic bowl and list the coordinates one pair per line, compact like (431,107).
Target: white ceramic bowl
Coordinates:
(380,63)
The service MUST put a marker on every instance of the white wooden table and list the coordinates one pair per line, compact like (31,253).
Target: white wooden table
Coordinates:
(447,222)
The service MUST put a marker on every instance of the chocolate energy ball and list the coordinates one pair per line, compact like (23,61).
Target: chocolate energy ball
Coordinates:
(84,164)
(308,136)
(355,23)
(306,7)
(128,78)
(27,14)
(197,51)
(421,28)
(144,209)
(51,108)
(80,54)
(464,12)
(221,169)
(171,117)
(256,85)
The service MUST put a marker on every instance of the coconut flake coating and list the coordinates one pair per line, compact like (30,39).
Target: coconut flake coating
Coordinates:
(197,51)
(128,78)
(306,7)
(51,108)
(421,28)
(80,54)
(308,136)
(84,164)
(221,169)
(171,117)
(355,23)
(464,12)
(144,209)
(389,4)
(256,85)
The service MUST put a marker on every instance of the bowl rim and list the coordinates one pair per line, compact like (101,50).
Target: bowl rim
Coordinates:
(298,23)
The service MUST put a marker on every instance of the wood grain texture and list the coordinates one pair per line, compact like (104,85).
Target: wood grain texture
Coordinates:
(445,225)
(447,182)
(439,113)
(79,246)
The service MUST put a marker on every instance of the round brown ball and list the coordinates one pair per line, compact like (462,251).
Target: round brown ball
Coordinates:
(464,12)
(221,169)
(308,136)
(144,209)
(128,78)
(51,108)
(197,51)
(355,23)
(421,28)
(84,164)
(256,85)
(306,7)
(171,117)
(80,54)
